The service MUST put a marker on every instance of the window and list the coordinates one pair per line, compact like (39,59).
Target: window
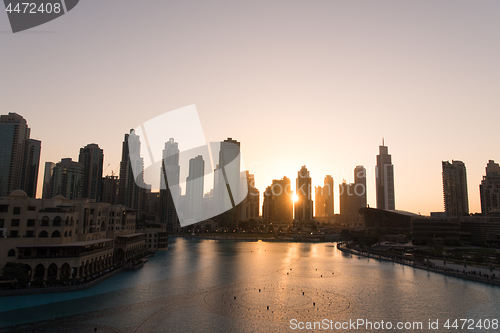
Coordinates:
(12,253)
(31,208)
(2,221)
(14,223)
(14,233)
(16,211)
(30,233)
(4,208)
(43,234)
(31,223)
(45,221)
(57,221)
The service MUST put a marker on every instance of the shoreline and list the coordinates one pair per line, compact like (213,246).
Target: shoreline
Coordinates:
(436,269)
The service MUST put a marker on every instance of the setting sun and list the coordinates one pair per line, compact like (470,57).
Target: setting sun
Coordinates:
(295,198)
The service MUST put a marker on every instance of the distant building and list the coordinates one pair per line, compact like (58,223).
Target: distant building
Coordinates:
(490,190)
(319,202)
(66,180)
(249,207)
(19,156)
(110,186)
(91,158)
(352,197)
(278,202)
(47,176)
(304,203)
(129,192)
(170,190)
(456,200)
(385,179)
(328,196)
(360,186)
(194,188)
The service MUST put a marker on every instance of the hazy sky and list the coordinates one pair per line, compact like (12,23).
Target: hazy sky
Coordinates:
(315,83)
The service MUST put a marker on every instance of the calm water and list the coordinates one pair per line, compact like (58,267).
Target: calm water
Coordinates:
(227,286)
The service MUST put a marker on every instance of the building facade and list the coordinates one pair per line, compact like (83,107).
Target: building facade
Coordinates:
(304,203)
(384,174)
(91,158)
(60,239)
(456,199)
(19,156)
(490,190)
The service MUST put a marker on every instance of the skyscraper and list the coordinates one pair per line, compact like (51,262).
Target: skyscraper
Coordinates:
(490,190)
(31,165)
(66,179)
(304,204)
(169,188)
(456,199)
(91,158)
(328,196)
(278,202)
(360,186)
(384,174)
(249,208)
(129,192)
(319,202)
(47,176)
(19,156)
(194,187)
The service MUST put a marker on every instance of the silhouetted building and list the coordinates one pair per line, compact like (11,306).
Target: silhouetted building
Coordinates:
(169,189)
(490,190)
(304,204)
(278,202)
(66,180)
(456,200)
(249,207)
(19,156)
(110,186)
(360,186)
(91,158)
(129,192)
(319,202)
(194,188)
(385,179)
(47,176)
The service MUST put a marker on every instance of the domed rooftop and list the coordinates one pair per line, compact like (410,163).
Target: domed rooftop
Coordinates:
(59,197)
(18,193)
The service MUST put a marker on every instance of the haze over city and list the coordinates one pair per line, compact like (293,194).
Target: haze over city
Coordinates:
(297,83)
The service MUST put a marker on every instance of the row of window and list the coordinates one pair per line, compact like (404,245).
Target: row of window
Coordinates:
(15,210)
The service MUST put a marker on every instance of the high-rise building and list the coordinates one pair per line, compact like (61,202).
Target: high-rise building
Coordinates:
(194,187)
(328,195)
(323,200)
(110,186)
(360,186)
(490,190)
(304,203)
(129,192)
(169,188)
(66,179)
(249,208)
(319,202)
(384,174)
(47,176)
(278,202)
(91,158)
(456,199)
(19,156)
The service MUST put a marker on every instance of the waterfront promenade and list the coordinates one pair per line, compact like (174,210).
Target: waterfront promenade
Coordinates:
(470,272)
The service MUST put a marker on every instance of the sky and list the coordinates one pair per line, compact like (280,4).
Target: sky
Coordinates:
(315,83)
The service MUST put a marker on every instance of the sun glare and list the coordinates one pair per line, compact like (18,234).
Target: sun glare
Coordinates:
(295,198)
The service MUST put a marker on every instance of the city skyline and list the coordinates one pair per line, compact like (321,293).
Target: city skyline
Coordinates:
(324,85)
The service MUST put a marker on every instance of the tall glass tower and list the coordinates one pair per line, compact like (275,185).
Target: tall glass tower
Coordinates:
(384,174)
